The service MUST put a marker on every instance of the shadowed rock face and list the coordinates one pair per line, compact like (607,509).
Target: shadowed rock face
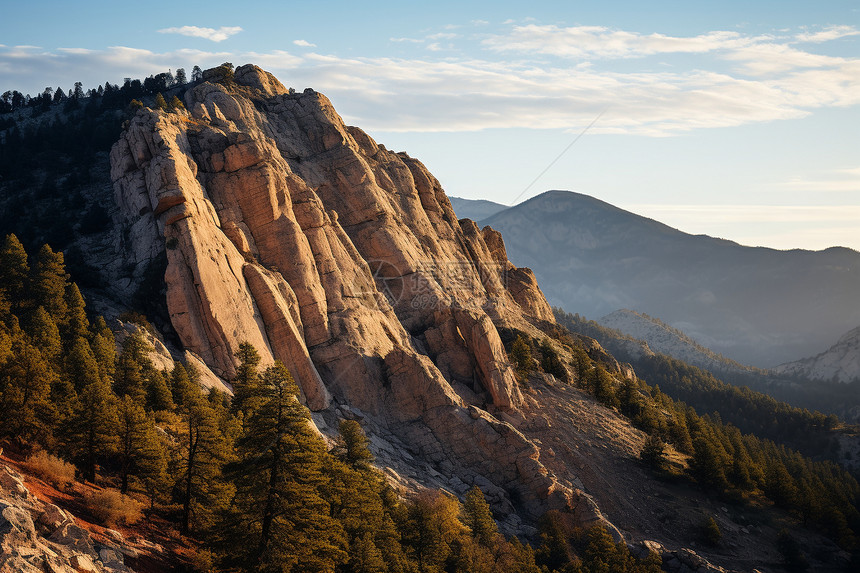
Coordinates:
(287,229)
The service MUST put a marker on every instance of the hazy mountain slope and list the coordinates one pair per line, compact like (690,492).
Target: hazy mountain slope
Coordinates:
(839,363)
(758,306)
(663,339)
(475,209)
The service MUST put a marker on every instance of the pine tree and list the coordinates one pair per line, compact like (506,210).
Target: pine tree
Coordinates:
(708,464)
(432,528)
(14,278)
(711,533)
(138,448)
(203,452)
(91,432)
(629,399)
(104,349)
(45,335)
(158,395)
(180,384)
(246,384)
(654,452)
(521,358)
(554,551)
(25,390)
(49,284)
(281,522)
(779,485)
(160,103)
(81,365)
(76,320)
(479,519)
(129,377)
(175,104)
(601,386)
(365,556)
(353,449)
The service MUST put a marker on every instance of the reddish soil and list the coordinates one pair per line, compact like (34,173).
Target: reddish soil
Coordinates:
(151,529)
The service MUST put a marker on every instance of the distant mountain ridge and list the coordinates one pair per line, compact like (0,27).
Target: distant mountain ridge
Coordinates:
(756,305)
(475,209)
(664,339)
(839,363)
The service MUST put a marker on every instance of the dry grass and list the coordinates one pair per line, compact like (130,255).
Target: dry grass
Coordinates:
(52,469)
(113,508)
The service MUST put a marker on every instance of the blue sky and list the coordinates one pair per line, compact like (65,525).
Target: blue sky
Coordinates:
(735,119)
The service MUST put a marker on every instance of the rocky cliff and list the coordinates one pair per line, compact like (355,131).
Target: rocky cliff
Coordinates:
(285,228)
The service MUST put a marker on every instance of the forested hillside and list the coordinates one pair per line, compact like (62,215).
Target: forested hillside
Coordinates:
(247,476)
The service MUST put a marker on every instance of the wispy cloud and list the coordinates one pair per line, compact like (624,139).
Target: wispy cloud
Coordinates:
(212,34)
(304,44)
(725,79)
(601,42)
(828,34)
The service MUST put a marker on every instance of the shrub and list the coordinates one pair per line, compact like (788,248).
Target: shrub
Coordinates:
(654,452)
(710,532)
(112,507)
(52,469)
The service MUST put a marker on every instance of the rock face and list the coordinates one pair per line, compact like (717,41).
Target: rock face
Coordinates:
(37,537)
(285,228)
(839,363)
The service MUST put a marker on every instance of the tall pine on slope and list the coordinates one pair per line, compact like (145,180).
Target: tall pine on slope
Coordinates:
(203,451)
(280,521)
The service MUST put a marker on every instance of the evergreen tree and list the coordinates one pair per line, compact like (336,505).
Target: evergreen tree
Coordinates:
(45,335)
(521,358)
(554,552)
(139,447)
(81,365)
(365,556)
(25,391)
(104,349)
(708,463)
(91,432)
(352,447)
(49,283)
(629,399)
(432,528)
(158,395)
(281,522)
(601,386)
(14,278)
(76,320)
(129,377)
(779,485)
(711,533)
(180,384)
(160,103)
(653,452)
(479,519)
(246,384)
(203,453)
(180,77)
(175,104)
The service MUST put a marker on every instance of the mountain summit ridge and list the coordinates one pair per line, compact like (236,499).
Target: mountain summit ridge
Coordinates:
(755,305)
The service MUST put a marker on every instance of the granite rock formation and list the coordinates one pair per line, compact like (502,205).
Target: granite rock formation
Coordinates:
(285,228)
